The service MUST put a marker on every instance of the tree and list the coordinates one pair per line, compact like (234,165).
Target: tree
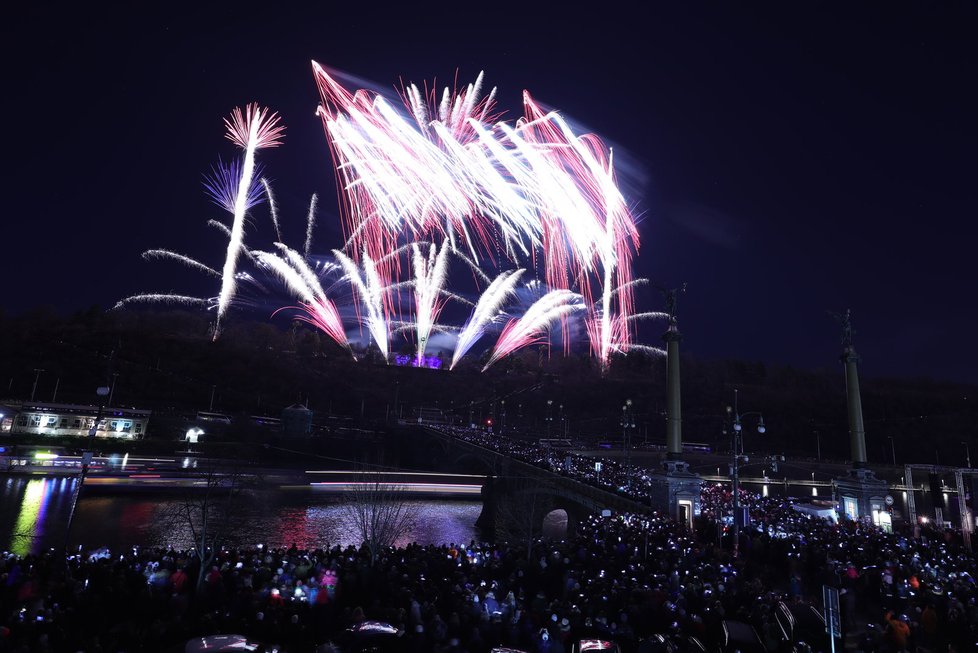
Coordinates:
(211,513)
(379,512)
(520,512)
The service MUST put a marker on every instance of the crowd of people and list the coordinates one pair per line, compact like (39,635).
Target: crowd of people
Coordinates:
(643,581)
(610,474)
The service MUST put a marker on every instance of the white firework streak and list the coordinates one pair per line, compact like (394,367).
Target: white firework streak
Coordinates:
(254,129)
(310,223)
(487,309)
(304,283)
(530,329)
(373,295)
(429,284)
(163,298)
(226,230)
(273,208)
(181,258)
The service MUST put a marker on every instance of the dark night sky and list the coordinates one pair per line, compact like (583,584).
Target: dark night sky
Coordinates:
(791,162)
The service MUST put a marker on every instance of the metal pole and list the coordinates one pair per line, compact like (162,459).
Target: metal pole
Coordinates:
(736,491)
(966,523)
(967,453)
(115,375)
(818,446)
(37,375)
(57,384)
(210,408)
(893,450)
(86,460)
(911,505)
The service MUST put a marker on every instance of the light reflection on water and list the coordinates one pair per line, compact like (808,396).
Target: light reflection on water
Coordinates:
(34,512)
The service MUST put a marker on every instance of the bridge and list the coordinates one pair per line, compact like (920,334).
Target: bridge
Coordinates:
(512,482)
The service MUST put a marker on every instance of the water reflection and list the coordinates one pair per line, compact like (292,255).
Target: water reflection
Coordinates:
(29,525)
(321,522)
(33,513)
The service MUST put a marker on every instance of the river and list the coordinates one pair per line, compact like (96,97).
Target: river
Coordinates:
(34,513)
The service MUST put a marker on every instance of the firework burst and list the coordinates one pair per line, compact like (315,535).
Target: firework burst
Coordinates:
(303,282)
(372,290)
(535,323)
(487,309)
(444,171)
(429,283)
(252,129)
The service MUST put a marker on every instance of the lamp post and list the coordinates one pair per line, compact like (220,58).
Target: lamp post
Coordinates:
(102,392)
(550,418)
(893,450)
(734,414)
(818,446)
(627,422)
(967,453)
(115,375)
(37,375)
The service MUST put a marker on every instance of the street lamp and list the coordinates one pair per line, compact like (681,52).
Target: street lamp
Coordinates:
(734,414)
(967,453)
(37,375)
(627,422)
(893,450)
(550,417)
(102,392)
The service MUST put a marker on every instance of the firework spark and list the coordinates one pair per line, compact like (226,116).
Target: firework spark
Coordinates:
(163,298)
(303,282)
(372,291)
(251,130)
(429,284)
(224,182)
(487,309)
(531,328)
(186,260)
(273,209)
(310,222)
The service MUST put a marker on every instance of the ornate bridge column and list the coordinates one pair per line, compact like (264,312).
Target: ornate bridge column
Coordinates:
(861,494)
(675,490)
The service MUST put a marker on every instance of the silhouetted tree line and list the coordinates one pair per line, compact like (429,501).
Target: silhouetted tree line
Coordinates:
(165,360)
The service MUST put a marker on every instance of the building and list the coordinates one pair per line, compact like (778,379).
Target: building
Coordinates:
(37,418)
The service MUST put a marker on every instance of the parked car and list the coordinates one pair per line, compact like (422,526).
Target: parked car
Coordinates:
(740,636)
(588,645)
(671,644)
(801,622)
(371,636)
(227,644)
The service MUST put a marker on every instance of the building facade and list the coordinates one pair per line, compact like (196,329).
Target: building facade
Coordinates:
(37,418)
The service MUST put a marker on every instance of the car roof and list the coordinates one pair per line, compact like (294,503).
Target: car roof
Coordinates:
(220,644)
